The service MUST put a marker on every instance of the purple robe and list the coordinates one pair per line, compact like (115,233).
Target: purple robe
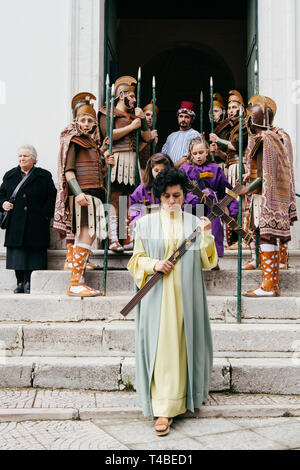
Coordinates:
(215,184)
(142,198)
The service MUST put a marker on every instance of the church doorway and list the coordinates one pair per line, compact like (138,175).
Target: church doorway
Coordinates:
(183,49)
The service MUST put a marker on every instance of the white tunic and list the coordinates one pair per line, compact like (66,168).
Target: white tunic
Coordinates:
(177,144)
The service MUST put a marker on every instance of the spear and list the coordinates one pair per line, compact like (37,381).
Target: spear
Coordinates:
(107,107)
(201,112)
(109,132)
(212,111)
(256,86)
(239,286)
(138,132)
(256,91)
(153,112)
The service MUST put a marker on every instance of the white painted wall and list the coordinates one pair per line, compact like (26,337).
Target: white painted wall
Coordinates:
(49,51)
(279,68)
(35,68)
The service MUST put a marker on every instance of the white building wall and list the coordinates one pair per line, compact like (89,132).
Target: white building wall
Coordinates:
(35,67)
(50,50)
(279,42)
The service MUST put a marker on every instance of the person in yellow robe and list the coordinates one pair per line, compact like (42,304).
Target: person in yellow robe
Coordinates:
(173,336)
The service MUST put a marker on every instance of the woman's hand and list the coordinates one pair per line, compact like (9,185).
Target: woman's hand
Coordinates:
(7,206)
(204,224)
(82,200)
(164,266)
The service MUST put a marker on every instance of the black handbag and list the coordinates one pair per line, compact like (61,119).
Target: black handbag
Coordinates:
(4,216)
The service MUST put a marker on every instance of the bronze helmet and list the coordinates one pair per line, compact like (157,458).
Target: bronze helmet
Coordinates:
(81,104)
(261,110)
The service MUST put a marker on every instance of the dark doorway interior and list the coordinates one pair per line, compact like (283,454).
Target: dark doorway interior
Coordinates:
(183,48)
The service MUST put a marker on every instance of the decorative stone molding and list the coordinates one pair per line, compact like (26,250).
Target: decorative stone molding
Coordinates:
(87,46)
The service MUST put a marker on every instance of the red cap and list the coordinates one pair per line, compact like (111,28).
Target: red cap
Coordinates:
(187,107)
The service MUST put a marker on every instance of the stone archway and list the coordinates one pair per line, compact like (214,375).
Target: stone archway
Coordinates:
(181,73)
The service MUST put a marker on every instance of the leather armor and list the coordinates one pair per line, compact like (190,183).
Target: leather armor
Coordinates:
(89,168)
(121,119)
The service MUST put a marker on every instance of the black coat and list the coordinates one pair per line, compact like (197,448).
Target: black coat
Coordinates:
(29,221)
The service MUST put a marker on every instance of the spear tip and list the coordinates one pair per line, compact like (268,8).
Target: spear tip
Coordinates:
(153,82)
(201,96)
(107,80)
(139,73)
(255,66)
(241,111)
(211,82)
(113,90)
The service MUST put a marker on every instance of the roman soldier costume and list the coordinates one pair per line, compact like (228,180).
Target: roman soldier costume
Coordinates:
(146,147)
(123,173)
(228,133)
(273,201)
(81,154)
(220,131)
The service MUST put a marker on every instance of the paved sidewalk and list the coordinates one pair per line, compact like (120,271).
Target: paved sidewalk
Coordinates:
(138,434)
(86,420)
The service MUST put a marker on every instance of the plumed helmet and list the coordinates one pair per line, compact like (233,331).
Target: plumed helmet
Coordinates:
(218,100)
(235,95)
(149,107)
(81,104)
(262,110)
(125,83)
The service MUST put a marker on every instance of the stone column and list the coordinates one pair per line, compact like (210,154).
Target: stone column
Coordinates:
(278,72)
(87,47)
(87,58)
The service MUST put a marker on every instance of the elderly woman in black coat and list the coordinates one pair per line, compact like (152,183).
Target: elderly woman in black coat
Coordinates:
(28,232)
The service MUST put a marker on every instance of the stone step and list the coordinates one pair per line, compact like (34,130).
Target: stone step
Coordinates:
(89,373)
(278,376)
(118,339)
(56,259)
(217,282)
(43,404)
(62,308)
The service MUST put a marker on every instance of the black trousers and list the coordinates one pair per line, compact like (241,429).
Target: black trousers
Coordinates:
(23,276)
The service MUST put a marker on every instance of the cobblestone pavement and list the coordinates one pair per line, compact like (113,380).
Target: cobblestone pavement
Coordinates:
(56,435)
(50,422)
(40,398)
(138,434)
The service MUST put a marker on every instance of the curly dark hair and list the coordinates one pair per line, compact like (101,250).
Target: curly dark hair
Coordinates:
(169,177)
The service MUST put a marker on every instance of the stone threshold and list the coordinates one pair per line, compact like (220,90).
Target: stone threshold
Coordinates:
(53,404)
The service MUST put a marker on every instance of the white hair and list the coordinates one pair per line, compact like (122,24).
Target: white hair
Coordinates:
(31,149)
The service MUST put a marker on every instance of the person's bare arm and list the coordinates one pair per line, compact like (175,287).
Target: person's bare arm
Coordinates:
(119,133)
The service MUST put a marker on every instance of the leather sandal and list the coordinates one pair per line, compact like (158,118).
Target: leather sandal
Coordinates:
(163,423)
(116,246)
